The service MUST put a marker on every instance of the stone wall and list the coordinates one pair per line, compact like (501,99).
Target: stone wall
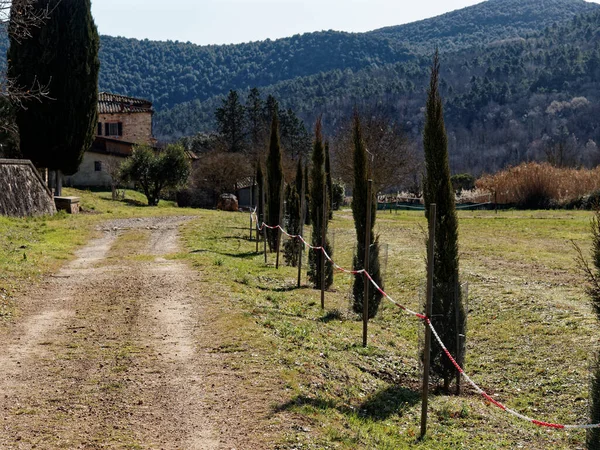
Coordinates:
(22,190)
(137,127)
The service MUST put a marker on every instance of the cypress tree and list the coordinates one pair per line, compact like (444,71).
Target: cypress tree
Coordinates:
(292,246)
(437,188)
(318,180)
(274,182)
(307,195)
(63,54)
(329,180)
(592,275)
(359,213)
(231,123)
(299,177)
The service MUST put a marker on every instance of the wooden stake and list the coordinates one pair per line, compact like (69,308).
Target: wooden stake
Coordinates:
(264,227)
(302,219)
(280,224)
(428,309)
(366,263)
(457,322)
(323,240)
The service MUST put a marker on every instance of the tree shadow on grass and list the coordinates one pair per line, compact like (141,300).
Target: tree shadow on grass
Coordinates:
(381,405)
(133,202)
(389,401)
(334,314)
(244,255)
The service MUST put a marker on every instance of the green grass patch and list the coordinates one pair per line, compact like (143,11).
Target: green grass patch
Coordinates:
(529,331)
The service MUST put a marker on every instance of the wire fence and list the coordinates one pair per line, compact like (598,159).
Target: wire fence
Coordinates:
(434,332)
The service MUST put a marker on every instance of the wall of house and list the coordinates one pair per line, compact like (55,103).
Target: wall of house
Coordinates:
(137,127)
(88,176)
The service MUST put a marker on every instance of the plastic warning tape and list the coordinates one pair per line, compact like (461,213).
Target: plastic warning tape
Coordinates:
(426,319)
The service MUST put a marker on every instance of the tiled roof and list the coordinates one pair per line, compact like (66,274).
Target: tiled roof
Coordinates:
(114,103)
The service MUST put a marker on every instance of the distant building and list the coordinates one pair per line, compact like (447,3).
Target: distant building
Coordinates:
(122,123)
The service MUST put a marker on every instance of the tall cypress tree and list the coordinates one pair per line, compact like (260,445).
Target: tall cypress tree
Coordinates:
(359,213)
(318,180)
(592,275)
(62,53)
(292,246)
(274,182)
(329,179)
(307,195)
(437,188)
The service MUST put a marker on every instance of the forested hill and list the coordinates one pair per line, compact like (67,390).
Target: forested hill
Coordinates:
(169,73)
(520,99)
(484,23)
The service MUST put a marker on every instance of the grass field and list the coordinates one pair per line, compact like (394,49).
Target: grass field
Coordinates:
(531,331)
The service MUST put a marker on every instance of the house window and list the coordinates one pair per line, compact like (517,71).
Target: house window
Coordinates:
(99,128)
(98,166)
(113,129)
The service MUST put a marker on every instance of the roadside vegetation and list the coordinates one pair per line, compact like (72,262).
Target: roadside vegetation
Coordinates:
(530,331)
(531,326)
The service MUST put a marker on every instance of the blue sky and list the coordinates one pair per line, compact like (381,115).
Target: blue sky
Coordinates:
(234,21)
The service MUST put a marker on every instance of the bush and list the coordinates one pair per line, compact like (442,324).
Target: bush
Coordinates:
(535,185)
(155,171)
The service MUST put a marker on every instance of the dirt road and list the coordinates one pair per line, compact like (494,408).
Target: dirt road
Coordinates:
(117,351)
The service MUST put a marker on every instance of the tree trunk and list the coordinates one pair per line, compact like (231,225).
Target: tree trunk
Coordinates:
(58,183)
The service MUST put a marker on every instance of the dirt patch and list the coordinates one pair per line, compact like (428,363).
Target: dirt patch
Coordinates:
(119,352)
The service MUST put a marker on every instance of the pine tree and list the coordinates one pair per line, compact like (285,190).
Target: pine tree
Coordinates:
(329,179)
(62,53)
(255,122)
(316,211)
(274,182)
(437,188)
(359,213)
(231,123)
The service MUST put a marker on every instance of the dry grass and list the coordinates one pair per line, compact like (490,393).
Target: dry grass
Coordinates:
(535,185)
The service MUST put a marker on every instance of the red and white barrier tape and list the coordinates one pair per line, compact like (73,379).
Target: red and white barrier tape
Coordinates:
(435,334)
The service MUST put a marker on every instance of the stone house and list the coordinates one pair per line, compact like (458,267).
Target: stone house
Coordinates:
(122,123)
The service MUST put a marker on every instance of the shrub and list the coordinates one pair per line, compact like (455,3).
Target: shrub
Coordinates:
(155,171)
(541,185)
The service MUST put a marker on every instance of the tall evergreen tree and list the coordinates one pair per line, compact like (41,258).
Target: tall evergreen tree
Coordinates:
(308,202)
(437,188)
(274,182)
(318,181)
(592,275)
(299,177)
(292,225)
(329,179)
(62,53)
(359,213)
(255,121)
(231,123)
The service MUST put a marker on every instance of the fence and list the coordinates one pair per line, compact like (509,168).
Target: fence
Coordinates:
(428,323)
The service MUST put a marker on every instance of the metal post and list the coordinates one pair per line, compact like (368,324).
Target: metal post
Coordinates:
(252,205)
(250,224)
(428,308)
(323,240)
(302,219)
(366,262)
